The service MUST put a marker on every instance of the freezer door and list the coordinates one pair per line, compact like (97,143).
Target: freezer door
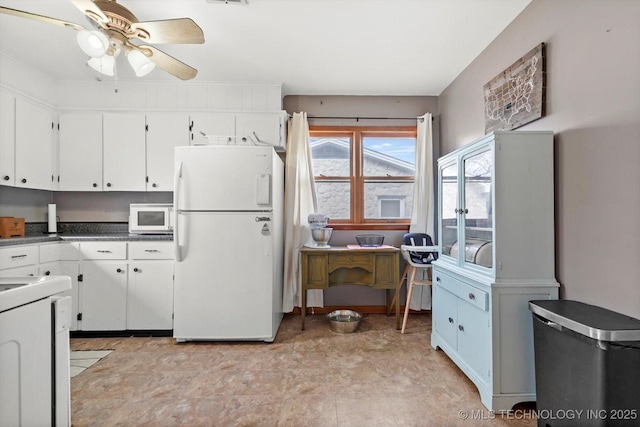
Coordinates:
(224,281)
(223,178)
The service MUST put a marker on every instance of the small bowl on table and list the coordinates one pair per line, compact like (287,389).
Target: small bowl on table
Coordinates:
(370,240)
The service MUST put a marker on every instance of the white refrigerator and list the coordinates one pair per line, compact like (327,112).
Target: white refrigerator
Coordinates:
(229,243)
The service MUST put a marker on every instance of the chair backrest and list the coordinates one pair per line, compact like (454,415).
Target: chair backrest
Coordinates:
(420,239)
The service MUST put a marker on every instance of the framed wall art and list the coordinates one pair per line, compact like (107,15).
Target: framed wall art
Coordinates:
(516,96)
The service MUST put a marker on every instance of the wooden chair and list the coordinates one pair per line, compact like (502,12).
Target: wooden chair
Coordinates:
(418,251)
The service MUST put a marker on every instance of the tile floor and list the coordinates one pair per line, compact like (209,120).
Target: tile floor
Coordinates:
(374,377)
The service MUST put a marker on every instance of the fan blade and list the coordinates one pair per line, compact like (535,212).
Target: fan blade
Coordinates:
(92,10)
(48,19)
(181,30)
(169,64)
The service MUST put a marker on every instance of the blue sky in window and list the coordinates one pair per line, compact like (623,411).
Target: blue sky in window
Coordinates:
(400,148)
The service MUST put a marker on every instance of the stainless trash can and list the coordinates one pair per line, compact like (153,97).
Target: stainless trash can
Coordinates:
(587,362)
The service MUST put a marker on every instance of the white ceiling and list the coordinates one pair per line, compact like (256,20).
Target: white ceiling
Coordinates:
(328,47)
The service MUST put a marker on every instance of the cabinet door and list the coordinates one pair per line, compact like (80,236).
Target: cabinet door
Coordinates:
(474,338)
(445,315)
(477,215)
(386,271)
(80,152)
(212,128)
(7,138)
(65,268)
(103,296)
(34,146)
(448,180)
(150,295)
(260,129)
(124,152)
(164,132)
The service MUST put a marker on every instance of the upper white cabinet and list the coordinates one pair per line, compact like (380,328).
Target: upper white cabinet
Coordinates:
(496,228)
(165,131)
(7,138)
(497,199)
(33,146)
(80,152)
(239,129)
(262,129)
(124,151)
(212,128)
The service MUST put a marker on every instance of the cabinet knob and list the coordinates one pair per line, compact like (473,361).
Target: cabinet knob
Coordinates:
(108,184)
(471,296)
(244,139)
(437,278)
(154,185)
(450,320)
(46,273)
(23,180)
(119,270)
(461,328)
(95,185)
(6,177)
(136,269)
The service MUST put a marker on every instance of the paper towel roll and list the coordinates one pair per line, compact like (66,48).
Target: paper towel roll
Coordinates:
(53,225)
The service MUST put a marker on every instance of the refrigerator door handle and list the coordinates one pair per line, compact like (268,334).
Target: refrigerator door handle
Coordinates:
(176,204)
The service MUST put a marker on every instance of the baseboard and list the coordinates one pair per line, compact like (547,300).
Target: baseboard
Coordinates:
(364,309)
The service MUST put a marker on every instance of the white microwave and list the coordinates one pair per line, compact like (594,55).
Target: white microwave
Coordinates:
(151,218)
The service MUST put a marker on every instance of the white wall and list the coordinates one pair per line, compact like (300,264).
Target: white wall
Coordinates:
(593,106)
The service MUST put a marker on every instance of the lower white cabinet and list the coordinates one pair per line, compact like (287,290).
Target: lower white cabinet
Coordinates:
(103,288)
(103,295)
(485,327)
(150,290)
(460,313)
(116,285)
(65,268)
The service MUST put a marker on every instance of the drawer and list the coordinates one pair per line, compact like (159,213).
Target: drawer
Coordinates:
(465,292)
(151,250)
(351,260)
(103,250)
(17,256)
(58,252)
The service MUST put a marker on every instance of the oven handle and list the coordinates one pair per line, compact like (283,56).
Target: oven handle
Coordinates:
(176,204)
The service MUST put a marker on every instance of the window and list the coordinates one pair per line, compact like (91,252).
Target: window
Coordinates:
(364,176)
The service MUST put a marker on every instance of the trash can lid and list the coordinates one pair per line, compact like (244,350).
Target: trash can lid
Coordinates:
(589,320)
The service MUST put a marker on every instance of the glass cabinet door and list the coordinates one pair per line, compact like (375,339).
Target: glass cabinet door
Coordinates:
(449,207)
(478,209)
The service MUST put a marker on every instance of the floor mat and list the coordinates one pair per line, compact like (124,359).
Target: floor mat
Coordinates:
(81,360)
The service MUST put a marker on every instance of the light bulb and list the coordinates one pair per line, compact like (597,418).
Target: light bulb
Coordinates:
(93,43)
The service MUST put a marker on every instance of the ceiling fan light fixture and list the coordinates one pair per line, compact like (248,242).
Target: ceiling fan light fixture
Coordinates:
(105,65)
(140,63)
(93,43)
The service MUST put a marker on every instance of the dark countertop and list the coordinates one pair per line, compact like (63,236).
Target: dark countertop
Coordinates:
(11,241)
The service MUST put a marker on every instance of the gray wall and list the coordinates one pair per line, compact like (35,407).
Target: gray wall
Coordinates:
(361,106)
(593,106)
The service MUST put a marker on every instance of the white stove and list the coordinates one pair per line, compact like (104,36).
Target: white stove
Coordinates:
(34,351)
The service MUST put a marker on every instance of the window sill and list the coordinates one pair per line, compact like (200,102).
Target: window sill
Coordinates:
(370,226)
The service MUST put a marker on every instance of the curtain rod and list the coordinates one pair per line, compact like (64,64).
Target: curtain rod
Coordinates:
(364,118)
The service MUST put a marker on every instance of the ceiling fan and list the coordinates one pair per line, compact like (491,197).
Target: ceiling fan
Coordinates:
(116,28)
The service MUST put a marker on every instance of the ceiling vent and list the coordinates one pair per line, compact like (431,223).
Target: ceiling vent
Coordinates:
(239,2)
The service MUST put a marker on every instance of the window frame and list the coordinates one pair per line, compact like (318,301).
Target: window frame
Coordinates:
(357,180)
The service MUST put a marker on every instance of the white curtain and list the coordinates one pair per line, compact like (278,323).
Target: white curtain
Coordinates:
(300,201)
(422,217)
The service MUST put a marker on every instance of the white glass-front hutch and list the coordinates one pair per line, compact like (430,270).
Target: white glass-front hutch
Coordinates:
(496,228)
